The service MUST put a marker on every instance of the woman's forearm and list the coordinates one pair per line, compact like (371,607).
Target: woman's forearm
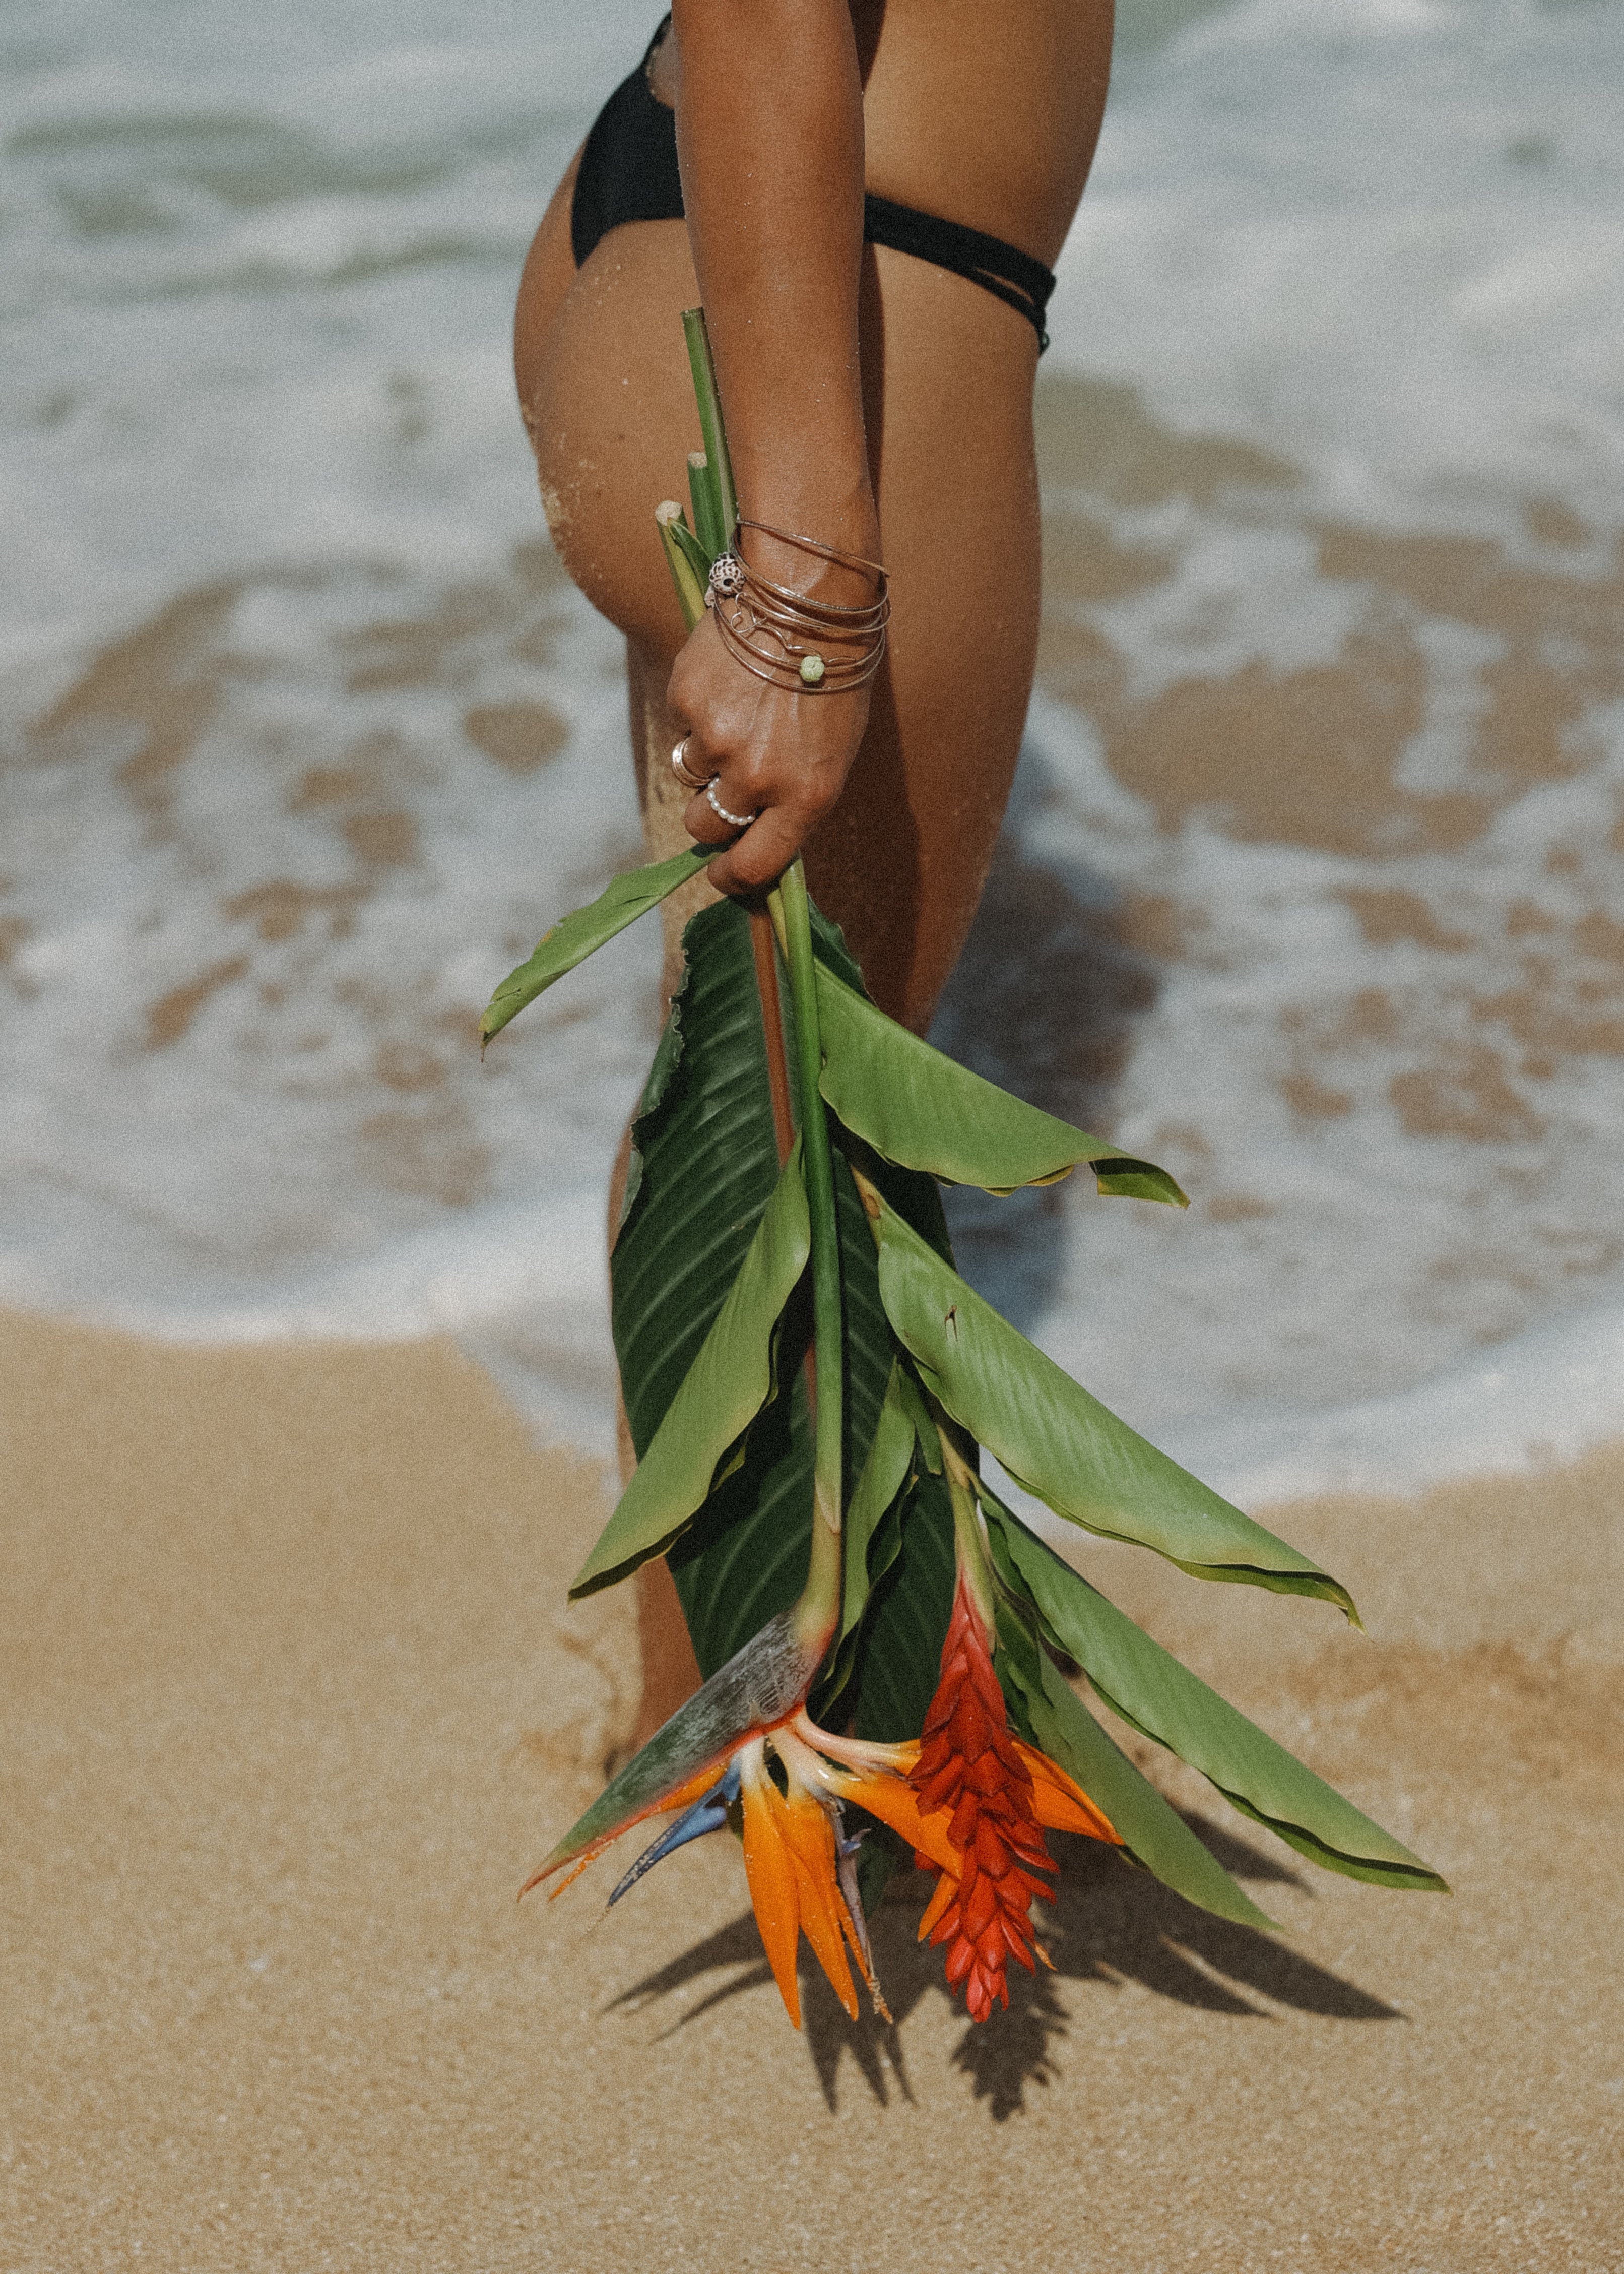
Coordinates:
(770,130)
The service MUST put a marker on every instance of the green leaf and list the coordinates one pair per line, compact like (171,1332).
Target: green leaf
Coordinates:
(899,1645)
(704,1164)
(924,1423)
(917,1107)
(689,582)
(1153,1833)
(574,937)
(1148,1688)
(1060,1442)
(722,1393)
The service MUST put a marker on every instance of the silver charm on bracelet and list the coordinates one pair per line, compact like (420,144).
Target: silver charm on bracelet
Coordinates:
(726,580)
(679,767)
(733,820)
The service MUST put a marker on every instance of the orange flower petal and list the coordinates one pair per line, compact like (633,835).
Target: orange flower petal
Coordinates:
(896,1803)
(811,1839)
(770,1868)
(1060,1804)
(947,1888)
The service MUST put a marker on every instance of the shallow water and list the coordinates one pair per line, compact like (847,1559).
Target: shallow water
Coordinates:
(1312,882)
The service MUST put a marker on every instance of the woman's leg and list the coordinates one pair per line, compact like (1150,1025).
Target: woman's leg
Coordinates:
(900,861)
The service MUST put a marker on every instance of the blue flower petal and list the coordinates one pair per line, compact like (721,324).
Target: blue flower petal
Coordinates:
(708,1813)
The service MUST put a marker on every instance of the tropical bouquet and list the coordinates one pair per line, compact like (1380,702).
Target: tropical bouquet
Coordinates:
(890,1651)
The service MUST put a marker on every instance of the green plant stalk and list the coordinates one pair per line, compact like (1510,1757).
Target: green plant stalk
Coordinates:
(703,491)
(710,418)
(820,1603)
(970,1550)
(690,590)
(688,543)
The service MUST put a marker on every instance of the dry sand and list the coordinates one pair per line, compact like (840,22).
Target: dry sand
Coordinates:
(292,1705)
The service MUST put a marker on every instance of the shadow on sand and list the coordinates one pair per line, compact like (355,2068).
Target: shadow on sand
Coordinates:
(1108,1924)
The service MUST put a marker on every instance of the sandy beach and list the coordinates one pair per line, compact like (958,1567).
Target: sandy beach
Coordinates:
(293,1703)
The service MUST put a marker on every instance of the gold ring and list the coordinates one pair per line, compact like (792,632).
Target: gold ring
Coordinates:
(688,780)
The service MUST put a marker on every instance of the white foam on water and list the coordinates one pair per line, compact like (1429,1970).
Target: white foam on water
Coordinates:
(1547,1395)
(1385,237)
(256,281)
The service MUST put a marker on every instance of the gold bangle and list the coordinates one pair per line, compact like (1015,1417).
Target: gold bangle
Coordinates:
(807,635)
(815,544)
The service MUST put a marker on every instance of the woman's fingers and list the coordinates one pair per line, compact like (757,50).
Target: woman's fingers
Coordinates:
(708,826)
(760,856)
(757,854)
(753,811)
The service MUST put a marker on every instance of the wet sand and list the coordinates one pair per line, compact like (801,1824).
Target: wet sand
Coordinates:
(292,1705)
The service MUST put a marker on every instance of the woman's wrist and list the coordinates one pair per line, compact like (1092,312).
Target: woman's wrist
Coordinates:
(845,521)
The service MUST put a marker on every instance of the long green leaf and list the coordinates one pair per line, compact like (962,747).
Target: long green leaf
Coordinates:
(791,919)
(692,549)
(574,937)
(725,1389)
(899,1647)
(1153,1833)
(918,1107)
(1060,1442)
(687,579)
(1148,1688)
(704,1164)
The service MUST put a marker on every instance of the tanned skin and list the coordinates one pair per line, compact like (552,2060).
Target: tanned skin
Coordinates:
(875,403)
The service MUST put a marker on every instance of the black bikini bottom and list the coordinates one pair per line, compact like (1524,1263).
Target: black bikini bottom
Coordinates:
(628,172)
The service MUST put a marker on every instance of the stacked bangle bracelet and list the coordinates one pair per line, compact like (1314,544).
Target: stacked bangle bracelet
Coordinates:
(791,641)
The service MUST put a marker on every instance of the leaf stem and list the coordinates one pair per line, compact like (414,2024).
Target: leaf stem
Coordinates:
(717,461)
(791,919)
(969,1548)
(772,1021)
(702,490)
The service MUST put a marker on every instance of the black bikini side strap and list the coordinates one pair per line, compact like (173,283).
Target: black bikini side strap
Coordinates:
(1004,270)
(628,167)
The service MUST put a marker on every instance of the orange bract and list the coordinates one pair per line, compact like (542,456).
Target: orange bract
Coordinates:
(1061,1804)
(1001,1794)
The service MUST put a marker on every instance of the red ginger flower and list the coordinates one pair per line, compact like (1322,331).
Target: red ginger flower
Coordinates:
(1002,1793)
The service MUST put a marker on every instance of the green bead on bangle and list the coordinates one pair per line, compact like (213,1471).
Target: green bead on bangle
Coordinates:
(811,669)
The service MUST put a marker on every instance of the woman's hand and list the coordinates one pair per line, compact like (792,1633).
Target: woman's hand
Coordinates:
(774,753)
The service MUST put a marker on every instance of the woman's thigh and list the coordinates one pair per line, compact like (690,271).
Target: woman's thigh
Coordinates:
(948,370)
